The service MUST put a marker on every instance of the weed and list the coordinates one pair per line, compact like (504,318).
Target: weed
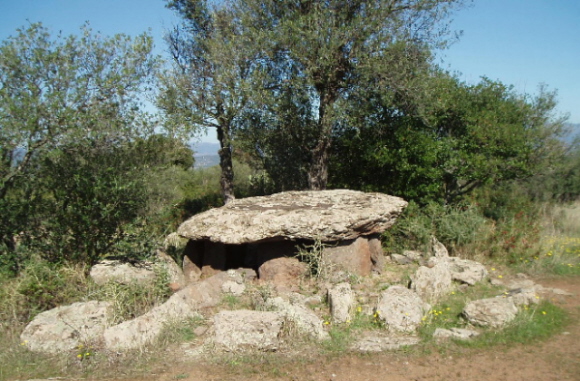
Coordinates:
(180,331)
(313,255)
(259,295)
(231,300)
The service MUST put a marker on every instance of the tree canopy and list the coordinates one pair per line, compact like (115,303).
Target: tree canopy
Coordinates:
(70,106)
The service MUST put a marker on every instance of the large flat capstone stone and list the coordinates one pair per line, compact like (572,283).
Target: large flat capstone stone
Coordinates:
(330,216)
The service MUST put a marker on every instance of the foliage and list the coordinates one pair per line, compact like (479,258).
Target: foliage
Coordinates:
(314,257)
(447,142)
(210,58)
(39,287)
(62,98)
(559,182)
(94,191)
(134,299)
(455,226)
(316,54)
(55,91)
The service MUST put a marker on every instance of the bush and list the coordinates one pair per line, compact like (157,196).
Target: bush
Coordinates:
(40,287)
(455,226)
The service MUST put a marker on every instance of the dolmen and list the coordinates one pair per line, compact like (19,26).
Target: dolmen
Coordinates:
(268,234)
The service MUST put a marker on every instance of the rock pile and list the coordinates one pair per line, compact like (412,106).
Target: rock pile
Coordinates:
(398,307)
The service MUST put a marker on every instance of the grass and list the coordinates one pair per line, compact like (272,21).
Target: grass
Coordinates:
(447,313)
(43,286)
(560,256)
(559,252)
(534,323)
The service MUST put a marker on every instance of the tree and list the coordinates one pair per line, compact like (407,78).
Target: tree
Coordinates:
(56,92)
(208,86)
(454,139)
(53,91)
(95,187)
(327,47)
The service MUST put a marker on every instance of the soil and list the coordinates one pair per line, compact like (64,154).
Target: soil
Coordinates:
(557,359)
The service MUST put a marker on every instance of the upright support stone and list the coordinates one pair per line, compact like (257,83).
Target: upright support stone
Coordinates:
(352,256)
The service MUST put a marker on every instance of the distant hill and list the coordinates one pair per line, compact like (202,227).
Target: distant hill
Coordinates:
(205,154)
(573,132)
(206,161)
(204,148)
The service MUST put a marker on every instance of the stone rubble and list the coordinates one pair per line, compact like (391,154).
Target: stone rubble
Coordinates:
(246,328)
(401,309)
(64,328)
(349,221)
(341,301)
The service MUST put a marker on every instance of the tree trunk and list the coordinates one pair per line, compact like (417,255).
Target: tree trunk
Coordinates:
(318,172)
(226,164)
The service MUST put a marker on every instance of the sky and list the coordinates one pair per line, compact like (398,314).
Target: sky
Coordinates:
(519,42)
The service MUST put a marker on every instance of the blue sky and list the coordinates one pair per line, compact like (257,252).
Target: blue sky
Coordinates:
(522,43)
(518,42)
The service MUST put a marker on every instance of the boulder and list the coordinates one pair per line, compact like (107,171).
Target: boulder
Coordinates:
(524,296)
(401,259)
(401,309)
(233,288)
(466,271)
(142,272)
(343,225)
(413,255)
(302,317)
(110,270)
(454,333)
(491,312)
(244,328)
(432,282)
(377,341)
(439,250)
(143,330)
(330,216)
(174,272)
(341,300)
(65,328)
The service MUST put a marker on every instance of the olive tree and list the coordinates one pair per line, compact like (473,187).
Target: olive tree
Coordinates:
(208,85)
(329,49)
(57,92)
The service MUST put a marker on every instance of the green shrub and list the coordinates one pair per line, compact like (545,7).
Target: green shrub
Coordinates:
(134,299)
(455,226)
(40,287)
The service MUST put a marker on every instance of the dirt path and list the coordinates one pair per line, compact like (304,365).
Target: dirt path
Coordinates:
(556,359)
